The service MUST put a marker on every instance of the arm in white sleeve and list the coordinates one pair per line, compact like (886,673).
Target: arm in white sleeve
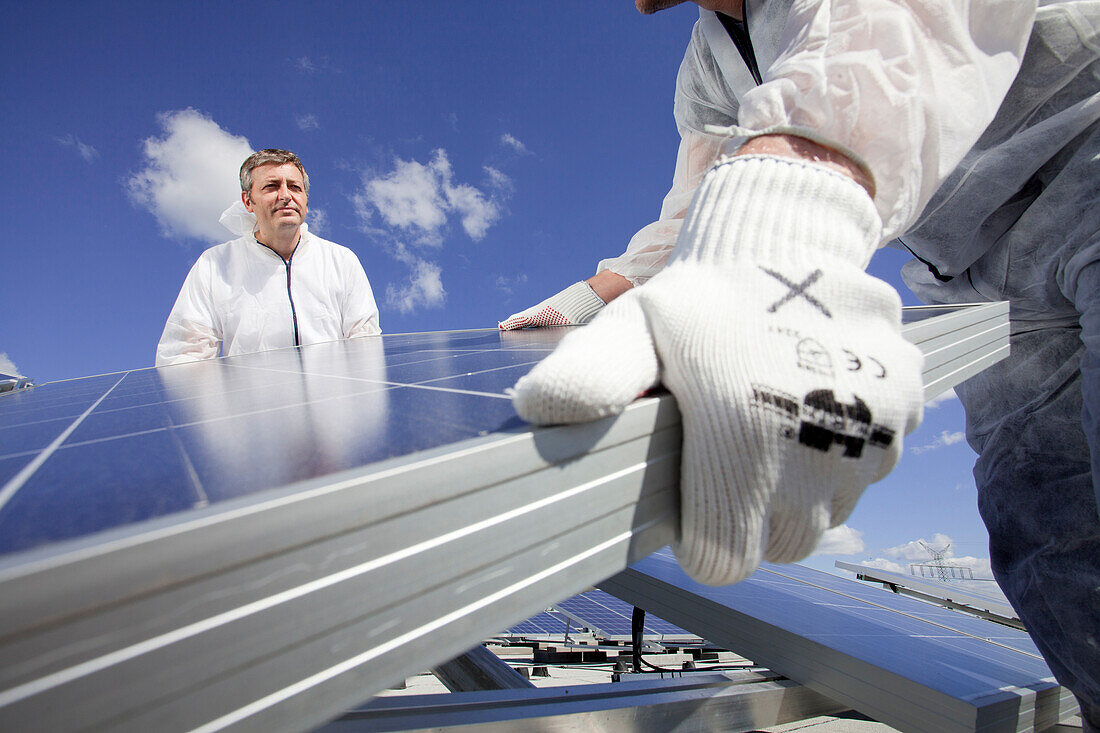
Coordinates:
(360,312)
(191,332)
(903,88)
(649,248)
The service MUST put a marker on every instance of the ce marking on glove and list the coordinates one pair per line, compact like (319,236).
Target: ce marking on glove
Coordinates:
(856,364)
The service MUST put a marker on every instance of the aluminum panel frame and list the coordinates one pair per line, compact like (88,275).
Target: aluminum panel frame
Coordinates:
(944,594)
(696,702)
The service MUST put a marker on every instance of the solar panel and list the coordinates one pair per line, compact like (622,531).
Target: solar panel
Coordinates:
(898,660)
(273,536)
(612,617)
(270,537)
(9,382)
(963,596)
(204,433)
(541,624)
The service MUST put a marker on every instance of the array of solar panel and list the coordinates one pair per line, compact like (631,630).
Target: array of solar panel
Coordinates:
(598,611)
(85,455)
(546,623)
(952,652)
(612,616)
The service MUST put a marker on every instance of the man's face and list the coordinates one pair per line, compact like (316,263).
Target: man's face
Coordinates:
(278,197)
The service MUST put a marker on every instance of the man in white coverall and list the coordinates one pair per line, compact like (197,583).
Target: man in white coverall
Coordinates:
(813,133)
(277,285)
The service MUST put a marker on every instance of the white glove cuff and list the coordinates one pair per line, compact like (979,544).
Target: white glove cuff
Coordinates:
(578,302)
(766,208)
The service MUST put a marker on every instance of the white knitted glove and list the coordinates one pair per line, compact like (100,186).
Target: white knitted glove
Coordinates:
(793,381)
(573,306)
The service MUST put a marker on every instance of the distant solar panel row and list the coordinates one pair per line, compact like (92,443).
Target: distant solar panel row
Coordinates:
(541,624)
(612,616)
(990,601)
(907,663)
(600,612)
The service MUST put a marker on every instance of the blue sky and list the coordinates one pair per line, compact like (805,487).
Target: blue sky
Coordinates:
(477,156)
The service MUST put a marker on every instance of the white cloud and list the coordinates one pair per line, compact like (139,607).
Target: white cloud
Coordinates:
(498,180)
(982,581)
(190,175)
(507,285)
(413,208)
(419,199)
(509,141)
(307,122)
(841,540)
(942,440)
(7,366)
(422,289)
(940,399)
(883,564)
(915,552)
(313,65)
(85,151)
(317,218)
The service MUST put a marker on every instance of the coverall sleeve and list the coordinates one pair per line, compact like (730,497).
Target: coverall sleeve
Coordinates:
(360,312)
(904,88)
(191,333)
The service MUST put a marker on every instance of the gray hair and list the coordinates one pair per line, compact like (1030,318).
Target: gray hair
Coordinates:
(267,157)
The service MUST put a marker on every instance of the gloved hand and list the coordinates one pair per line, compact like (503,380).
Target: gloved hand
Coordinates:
(794,383)
(573,306)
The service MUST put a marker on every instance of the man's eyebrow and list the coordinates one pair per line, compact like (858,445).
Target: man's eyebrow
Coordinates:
(277,179)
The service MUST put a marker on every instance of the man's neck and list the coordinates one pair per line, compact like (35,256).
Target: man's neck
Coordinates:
(282,242)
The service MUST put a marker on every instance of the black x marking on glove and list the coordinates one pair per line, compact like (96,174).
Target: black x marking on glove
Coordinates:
(797,291)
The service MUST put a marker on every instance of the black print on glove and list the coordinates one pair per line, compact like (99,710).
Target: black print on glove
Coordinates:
(813,357)
(822,420)
(797,290)
(855,364)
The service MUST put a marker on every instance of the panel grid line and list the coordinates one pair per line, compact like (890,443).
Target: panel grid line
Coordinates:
(864,602)
(21,478)
(410,385)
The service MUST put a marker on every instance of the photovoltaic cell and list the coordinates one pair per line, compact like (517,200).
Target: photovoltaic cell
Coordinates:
(546,623)
(612,616)
(153,442)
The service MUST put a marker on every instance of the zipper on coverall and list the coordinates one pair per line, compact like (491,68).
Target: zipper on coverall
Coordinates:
(290,297)
(738,31)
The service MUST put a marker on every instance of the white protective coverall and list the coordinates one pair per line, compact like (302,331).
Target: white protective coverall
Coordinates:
(988,169)
(241,297)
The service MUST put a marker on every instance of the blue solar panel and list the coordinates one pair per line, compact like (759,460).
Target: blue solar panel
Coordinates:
(612,616)
(937,649)
(86,455)
(595,610)
(891,610)
(546,623)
